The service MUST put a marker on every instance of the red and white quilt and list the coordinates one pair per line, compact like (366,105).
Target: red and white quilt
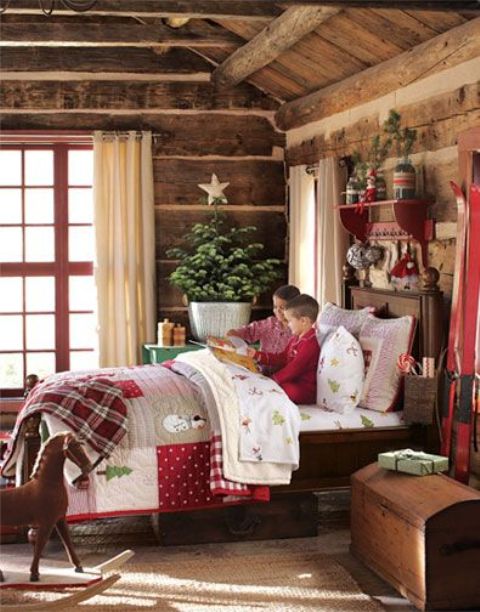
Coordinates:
(150,434)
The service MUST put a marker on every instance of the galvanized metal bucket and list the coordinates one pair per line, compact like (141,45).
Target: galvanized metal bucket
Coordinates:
(216,318)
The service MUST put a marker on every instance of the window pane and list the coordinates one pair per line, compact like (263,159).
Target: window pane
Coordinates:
(82,293)
(41,364)
(10,206)
(80,205)
(11,333)
(40,331)
(38,205)
(38,167)
(10,167)
(83,360)
(80,243)
(40,294)
(82,331)
(80,167)
(10,244)
(11,294)
(39,244)
(11,371)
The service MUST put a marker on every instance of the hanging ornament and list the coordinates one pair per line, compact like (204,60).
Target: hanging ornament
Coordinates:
(404,274)
(357,257)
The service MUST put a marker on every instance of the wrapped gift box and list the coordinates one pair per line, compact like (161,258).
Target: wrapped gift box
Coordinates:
(413,462)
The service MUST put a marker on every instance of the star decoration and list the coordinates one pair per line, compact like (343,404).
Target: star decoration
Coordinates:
(215,189)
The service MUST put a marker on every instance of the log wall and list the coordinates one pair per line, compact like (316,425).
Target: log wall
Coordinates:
(439,107)
(197,131)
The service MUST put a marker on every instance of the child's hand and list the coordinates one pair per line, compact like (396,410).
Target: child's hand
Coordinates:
(251,352)
(232,332)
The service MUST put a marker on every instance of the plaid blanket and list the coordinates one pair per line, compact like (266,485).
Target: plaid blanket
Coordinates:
(92,407)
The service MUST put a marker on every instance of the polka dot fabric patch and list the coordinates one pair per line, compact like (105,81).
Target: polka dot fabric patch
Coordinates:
(184,476)
(129,388)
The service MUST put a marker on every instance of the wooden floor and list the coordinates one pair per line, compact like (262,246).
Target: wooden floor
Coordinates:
(97,541)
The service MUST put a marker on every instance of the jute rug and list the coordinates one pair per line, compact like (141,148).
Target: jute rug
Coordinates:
(212,581)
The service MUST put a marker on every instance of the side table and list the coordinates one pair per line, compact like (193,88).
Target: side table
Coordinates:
(152,353)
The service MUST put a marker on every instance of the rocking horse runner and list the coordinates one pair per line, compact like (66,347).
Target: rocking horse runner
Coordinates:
(42,502)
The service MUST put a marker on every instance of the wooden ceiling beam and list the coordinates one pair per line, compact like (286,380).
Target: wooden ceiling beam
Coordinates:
(449,49)
(199,34)
(128,96)
(212,9)
(440,5)
(267,45)
(97,62)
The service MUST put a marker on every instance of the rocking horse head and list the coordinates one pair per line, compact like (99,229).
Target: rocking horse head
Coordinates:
(64,445)
(73,450)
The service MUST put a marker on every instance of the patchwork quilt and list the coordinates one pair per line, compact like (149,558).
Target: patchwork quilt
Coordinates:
(159,437)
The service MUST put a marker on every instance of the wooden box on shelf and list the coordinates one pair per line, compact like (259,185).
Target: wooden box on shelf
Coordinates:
(419,533)
(411,221)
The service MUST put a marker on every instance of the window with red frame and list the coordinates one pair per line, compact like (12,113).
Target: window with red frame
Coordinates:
(47,293)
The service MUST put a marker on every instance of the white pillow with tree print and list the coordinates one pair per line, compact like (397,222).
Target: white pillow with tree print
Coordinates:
(340,373)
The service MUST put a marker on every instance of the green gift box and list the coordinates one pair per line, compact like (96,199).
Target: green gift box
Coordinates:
(413,462)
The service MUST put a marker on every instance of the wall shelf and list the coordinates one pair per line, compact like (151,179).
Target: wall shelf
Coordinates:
(410,222)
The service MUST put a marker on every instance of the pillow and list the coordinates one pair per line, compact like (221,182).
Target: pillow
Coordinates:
(382,341)
(332,316)
(340,372)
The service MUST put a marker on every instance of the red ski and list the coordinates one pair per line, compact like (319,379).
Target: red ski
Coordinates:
(453,363)
(467,357)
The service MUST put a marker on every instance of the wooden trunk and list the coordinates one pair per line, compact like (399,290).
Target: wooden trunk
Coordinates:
(420,534)
(292,516)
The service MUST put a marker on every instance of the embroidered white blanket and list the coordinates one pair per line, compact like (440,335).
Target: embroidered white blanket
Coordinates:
(259,424)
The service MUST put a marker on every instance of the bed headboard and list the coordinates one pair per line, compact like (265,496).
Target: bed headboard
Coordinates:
(426,306)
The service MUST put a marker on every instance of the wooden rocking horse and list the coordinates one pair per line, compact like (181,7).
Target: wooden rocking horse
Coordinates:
(42,501)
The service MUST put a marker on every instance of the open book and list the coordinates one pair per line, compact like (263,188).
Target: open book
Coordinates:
(232,349)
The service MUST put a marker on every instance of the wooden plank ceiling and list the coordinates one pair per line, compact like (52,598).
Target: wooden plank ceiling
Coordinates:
(134,41)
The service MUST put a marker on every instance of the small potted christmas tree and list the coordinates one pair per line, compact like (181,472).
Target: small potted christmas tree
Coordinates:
(220,271)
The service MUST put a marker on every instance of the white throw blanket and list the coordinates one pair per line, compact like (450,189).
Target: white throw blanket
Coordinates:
(259,424)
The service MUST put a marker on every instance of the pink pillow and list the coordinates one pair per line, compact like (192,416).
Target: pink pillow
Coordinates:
(333,316)
(382,341)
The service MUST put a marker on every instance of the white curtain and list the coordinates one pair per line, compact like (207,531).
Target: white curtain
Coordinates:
(332,239)
(301,251)
(125,245)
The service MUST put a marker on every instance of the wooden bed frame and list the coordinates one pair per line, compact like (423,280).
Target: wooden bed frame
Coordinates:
(328,458)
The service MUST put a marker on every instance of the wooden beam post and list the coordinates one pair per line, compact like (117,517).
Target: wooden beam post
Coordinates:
(55,34)
(449,49)
(277,37)
(194,9)
(405,5)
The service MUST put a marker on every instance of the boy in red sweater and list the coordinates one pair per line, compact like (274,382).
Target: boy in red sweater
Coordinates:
(296,367)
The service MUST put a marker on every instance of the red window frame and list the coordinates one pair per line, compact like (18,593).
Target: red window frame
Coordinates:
(61,268)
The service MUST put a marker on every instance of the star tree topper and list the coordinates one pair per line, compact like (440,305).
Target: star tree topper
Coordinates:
(214,189)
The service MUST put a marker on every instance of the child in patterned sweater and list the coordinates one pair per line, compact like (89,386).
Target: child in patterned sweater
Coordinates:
(296,367)
(273,332)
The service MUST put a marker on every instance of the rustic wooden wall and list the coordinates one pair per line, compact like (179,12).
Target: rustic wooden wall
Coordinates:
(198,130)
(439,108)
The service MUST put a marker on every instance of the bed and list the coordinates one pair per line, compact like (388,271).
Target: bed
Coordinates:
(330,450)
(328,456)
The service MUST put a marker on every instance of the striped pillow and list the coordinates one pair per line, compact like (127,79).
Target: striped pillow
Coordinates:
(382,341)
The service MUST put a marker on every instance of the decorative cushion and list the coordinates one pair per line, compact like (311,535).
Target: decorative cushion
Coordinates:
(333,316)
(382,341)
(340,372)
